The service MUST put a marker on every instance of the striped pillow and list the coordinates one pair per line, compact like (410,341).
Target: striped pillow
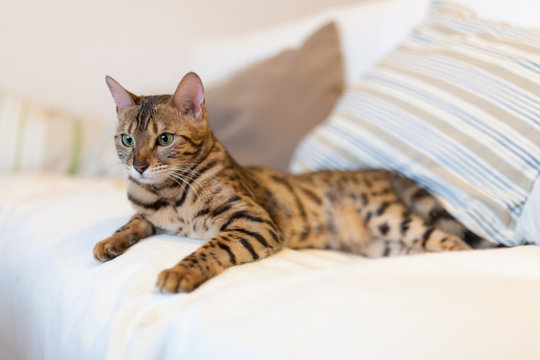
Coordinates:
(39,138)
(456,108)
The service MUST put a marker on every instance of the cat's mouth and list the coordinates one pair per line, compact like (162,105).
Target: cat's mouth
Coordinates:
(147,177)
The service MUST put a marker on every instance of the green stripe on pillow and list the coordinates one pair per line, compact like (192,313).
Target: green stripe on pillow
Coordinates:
(77,144)
(21,127)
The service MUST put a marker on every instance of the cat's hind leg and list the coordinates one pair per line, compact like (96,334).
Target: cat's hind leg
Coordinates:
(423,204)
(399,232)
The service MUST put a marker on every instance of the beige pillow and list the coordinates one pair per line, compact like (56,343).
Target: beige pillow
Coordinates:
(261,113)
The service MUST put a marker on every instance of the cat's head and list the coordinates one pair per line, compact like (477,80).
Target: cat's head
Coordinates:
(161,137)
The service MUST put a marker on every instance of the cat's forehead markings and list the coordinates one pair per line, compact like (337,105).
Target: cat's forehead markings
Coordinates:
(148,105)
(154,125)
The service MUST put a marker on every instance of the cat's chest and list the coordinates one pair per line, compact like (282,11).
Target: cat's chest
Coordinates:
(163,211)
(181,221)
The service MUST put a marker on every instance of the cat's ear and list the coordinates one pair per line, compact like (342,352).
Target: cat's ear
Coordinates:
(189,96)
(121,96)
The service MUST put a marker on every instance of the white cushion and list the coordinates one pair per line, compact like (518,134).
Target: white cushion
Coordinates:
(369,30)
(57,302)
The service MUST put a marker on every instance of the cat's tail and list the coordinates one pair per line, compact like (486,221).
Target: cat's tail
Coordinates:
(424,205)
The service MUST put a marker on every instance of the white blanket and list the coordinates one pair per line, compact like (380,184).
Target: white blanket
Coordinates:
(57,302)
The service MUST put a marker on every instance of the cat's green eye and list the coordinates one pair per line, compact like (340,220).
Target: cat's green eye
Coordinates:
(127,140)
(165,139)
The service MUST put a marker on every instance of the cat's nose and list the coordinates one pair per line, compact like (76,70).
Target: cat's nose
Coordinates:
(140,166)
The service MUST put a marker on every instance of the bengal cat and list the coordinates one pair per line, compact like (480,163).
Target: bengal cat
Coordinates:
(182,181)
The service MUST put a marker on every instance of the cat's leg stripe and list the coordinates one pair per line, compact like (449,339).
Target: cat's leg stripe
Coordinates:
(405,225)
(244,216)
(213,255)
(254,235)
(248,246)
(232,258)
(426,236)
(275,237)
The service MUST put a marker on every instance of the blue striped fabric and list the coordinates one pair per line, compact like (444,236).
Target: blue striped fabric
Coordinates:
(457,109)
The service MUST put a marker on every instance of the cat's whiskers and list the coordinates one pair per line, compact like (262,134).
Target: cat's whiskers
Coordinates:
(187,172)
(168,172)
(192,176)
(177,182)
(175,177)
(184,167)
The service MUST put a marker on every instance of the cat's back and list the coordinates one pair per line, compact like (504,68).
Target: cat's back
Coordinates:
(319,185)
(312,207)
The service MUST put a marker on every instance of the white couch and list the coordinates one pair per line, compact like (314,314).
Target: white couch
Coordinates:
(57,302)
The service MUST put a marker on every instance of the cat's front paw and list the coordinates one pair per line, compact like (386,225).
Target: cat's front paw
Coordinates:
(179,278)
(107,249)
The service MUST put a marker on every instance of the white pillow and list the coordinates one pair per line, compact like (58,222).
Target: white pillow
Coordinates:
(517,12)
(528,225)
(368,30)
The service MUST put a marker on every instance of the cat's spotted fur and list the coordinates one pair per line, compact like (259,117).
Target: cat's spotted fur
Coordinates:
(193,188)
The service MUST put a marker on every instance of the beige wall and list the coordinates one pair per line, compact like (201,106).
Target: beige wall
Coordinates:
(58,51)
